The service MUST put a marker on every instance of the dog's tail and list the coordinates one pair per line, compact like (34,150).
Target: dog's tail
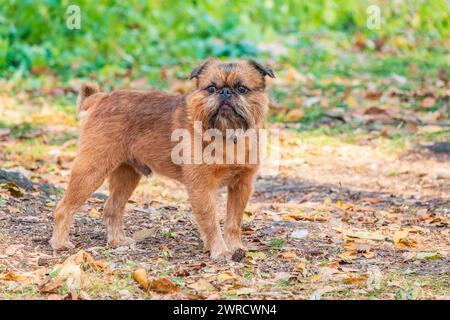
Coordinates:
(87,90)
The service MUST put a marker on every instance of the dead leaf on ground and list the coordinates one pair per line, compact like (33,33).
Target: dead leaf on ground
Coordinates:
(225,276)
(201,285)
(366,235)
(375,111)
(13,189)
(360,280)
(256,255)
(143,234)
(370,200)
(140,276)
(82,257)
(349,255)
(427,255)
(289,255)
(163,285)
(428,102)
(295,115)
(4,133)
(244,291)
(401,239)
(17,277)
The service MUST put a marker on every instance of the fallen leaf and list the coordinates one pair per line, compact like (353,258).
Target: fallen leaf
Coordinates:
(401,239)
(349,255)
(290,255)
(351,102)
(300,267)
(428,102)
(163,285)
(256,255)
(18,277)
(201,285)
(140,276)
(366,235)
(93,213)
(295,115)
(244,291)
(361,280)
(82,257)
(374,111)
(427,255)
(4,133)
(143,234)
(223,277)
(13,189)
(368,255)
(300,215)
(370,200)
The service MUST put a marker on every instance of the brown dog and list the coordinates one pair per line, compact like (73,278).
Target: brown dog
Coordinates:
(126,134)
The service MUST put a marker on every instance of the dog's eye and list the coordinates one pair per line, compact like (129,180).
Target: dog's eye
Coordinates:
(211,89)
(242,89)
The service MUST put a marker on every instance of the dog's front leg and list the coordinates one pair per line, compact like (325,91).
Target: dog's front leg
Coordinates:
(238,195)
(203,205)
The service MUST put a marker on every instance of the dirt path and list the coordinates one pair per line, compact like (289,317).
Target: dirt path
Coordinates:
(338,221)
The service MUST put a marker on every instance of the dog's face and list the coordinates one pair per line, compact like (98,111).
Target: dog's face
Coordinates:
(229,95)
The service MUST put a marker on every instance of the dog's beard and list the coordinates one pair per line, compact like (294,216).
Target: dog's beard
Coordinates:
(229,116)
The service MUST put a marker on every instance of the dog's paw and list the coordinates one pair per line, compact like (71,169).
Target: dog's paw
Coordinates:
(235,244)
(221,255)
(121,242)
(59,245)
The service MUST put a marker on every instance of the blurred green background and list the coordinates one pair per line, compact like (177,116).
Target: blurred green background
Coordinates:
(136,38)
(325,56)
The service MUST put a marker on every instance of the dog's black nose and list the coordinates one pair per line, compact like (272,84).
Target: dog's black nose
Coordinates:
(225,93)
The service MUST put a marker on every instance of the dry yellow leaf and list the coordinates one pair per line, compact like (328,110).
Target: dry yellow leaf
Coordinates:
(11,276)
(361,280)
(369,255)
(300,267)
(140,276)
(84,257)
(351,102)
(401,239)
(293,75)
(225,276)
(349,254)
(288,255)
(295,115)
(94,213)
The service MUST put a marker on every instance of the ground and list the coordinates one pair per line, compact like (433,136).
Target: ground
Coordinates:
(325,226)
(359,208)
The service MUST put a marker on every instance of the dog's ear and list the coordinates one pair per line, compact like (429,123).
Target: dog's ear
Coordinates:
(197,71)
(261,68)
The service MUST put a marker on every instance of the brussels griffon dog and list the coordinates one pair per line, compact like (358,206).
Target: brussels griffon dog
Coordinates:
(127,134)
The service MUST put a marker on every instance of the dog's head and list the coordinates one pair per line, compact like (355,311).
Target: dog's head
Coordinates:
(229,95)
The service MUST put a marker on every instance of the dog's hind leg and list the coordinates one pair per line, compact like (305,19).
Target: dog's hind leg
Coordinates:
(88,173)
(122,182)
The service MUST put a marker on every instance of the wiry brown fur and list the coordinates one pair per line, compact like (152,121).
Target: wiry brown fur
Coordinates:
(127,133)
